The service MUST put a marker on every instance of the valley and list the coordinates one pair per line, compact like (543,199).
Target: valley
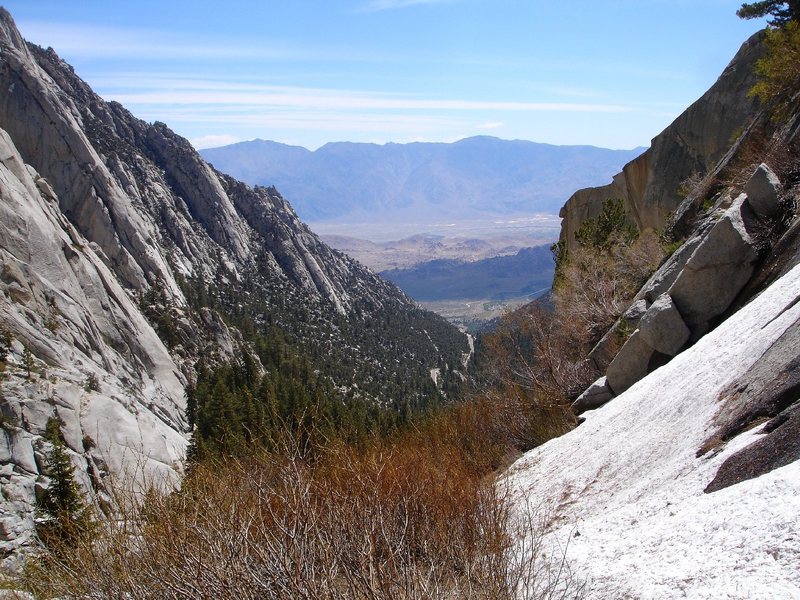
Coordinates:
(384,369)
(402,209)
(468,272)
(399,245)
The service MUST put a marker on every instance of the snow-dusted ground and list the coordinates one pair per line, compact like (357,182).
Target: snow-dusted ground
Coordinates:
(628,487)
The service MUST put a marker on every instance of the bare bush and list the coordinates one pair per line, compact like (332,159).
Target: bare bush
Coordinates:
(540,353)
(761,147)
(597,287)
(396,521)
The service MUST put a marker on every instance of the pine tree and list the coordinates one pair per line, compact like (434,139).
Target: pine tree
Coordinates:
(61,503)
(28,361)
(62,498)
(781,12)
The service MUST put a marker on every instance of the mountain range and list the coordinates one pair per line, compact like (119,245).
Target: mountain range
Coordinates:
(131,268)
(474,177)
(142,290)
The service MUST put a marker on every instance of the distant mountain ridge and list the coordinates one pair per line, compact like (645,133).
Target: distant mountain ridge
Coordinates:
(500,278)
(130,269)
(476,176)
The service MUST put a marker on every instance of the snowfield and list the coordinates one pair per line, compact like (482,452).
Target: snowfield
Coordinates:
(627,488)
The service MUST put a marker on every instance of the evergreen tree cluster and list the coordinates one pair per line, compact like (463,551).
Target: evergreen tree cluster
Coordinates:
(611,227)
(779,11)
(249,403)
(309,369)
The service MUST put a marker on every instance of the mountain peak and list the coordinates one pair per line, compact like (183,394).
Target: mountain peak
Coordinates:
(476,177)
(127,260)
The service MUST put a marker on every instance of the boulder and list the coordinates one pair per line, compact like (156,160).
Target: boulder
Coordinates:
(630,364)
(663,328)
(762,192)
(20,448)
(667,273)
(605,350)
(717,270)
(595,396)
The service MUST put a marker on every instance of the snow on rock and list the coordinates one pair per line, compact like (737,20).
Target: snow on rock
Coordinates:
(627,485)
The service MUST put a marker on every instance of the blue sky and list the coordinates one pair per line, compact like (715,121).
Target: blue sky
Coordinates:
(609,73)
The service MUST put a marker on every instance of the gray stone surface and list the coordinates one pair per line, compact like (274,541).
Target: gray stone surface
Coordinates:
(663,328)
(717,270)
(605,350)
(693,143)
(769,389)
(666,274)
(97,206)
(595,396)
(762,191)
(630,364)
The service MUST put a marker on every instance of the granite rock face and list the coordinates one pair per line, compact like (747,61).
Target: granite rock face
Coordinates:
(595,396)
(718,269)
(630,364)
(99,210)
(62,303)
(662,327)
(701,282)
(693,143)
(762,191)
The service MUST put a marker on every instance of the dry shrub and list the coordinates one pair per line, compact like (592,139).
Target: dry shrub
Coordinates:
(597,287)
(762,146)
(541,352)
(536,354)
(696,185)
(487,432)
(410,518)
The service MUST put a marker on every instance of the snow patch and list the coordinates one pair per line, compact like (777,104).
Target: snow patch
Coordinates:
(628,480)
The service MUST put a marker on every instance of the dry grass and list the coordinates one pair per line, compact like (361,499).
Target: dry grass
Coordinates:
(540,353)
(411,518)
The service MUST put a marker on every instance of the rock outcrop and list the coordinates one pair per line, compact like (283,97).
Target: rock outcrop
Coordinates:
(64,305)
(626,489)
(595,396)
(108,221)
(689,444)
(718,269)
(660,335)
(693,143)
(694,287)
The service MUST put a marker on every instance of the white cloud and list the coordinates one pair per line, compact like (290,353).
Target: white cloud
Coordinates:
(491,125)
(213,141)
(274,97)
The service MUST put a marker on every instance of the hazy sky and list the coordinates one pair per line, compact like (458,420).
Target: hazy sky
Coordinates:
(609,73)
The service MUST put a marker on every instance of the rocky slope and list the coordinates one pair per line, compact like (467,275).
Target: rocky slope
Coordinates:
(682,480)
(109,226)
(650,184)
(626,488)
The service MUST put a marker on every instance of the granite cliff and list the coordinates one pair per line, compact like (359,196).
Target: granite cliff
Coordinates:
(108,225)
(682,478)
(650,184)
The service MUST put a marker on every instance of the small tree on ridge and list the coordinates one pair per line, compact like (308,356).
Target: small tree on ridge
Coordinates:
(781,13)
